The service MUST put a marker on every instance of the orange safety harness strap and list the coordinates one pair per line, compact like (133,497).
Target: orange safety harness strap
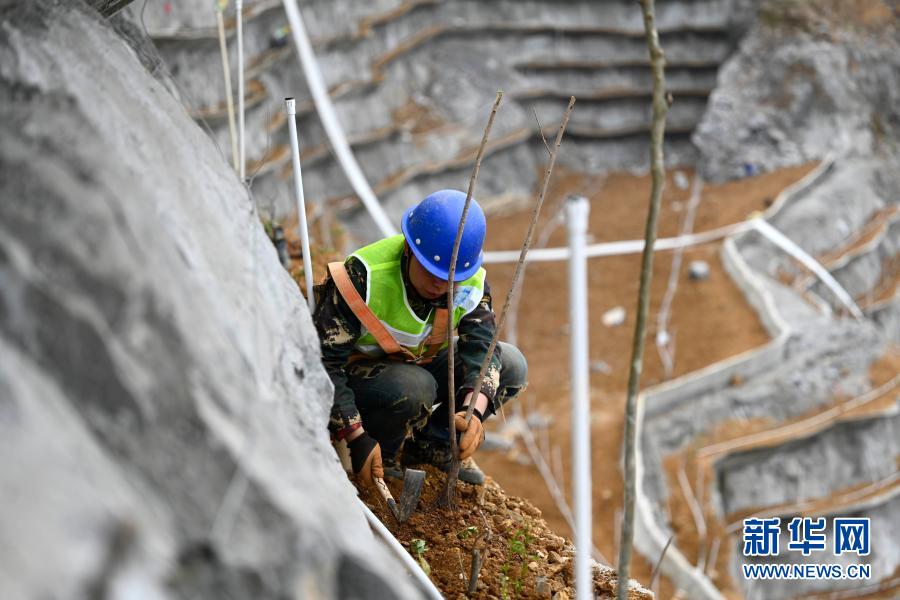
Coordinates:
(363,312)
(438,335)
(384,338)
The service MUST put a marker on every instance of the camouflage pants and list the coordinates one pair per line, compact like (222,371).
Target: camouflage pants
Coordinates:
(395,399)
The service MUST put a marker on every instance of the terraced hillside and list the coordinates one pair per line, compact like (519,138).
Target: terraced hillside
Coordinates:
(413,81)
(807,424)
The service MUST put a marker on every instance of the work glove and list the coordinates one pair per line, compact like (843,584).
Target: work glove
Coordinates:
(471,433)
(365,457)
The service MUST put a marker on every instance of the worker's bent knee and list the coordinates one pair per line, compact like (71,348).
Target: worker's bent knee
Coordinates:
(513,372)
(391,388)
(415,392)
(405,392)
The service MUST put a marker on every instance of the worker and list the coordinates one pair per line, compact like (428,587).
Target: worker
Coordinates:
(382,318)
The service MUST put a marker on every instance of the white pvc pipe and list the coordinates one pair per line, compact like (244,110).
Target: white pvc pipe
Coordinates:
(229,92)
(331,123)
(291,106)
(786,244)
(414,569)
(242,159)
(637,246)
(621,247)
(577,209)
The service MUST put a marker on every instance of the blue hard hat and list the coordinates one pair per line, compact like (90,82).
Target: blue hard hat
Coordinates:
(430,230)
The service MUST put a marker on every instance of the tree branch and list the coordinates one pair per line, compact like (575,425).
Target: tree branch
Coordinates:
(660,108)
(445,500)
(450,484)
(541,131)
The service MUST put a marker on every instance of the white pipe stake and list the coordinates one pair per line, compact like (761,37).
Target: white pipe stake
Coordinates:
(414,569)
(577,210)
(291,106)
(242,159)
(229,92)
(330,121)
(621,247)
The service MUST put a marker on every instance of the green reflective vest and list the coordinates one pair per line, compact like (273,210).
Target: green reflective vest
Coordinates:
(386,298)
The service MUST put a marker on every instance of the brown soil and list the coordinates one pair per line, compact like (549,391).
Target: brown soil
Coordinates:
(321,255)
(801,279)
(886,589)
(876,224)
(825,17)
(518,547)
(760,433)
(254,94)
(886,287)
(710,321)
(842,499)
(885,368)
(415,118)
(274,156)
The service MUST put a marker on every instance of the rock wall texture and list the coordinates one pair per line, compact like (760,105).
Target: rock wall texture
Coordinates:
(809,81)
(812,80)
(803,84)
(413,82)
(162,404)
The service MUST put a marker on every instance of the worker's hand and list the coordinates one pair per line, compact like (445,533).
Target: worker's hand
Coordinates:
(472,433)
(365,456)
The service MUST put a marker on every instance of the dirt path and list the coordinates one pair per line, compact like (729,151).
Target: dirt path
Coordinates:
(710,321)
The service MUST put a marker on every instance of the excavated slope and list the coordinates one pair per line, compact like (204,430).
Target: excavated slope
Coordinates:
(413,82)
(162,403)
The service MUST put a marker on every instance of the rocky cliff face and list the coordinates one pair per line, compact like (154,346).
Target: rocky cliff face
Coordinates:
(808,80)
(811,81)
(162,404)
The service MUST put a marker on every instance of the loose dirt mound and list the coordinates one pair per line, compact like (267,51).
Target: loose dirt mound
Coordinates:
(523,557)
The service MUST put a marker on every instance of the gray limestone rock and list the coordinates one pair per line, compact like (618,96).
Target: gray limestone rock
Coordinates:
(698,270)
(162,403)
(789,97)
(413,83)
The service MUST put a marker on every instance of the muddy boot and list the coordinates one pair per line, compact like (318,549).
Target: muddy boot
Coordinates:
(418,452)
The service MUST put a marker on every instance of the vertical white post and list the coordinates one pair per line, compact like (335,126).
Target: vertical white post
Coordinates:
(229,92)
(239,15)
(330,121)
(291,106)
(577,210)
